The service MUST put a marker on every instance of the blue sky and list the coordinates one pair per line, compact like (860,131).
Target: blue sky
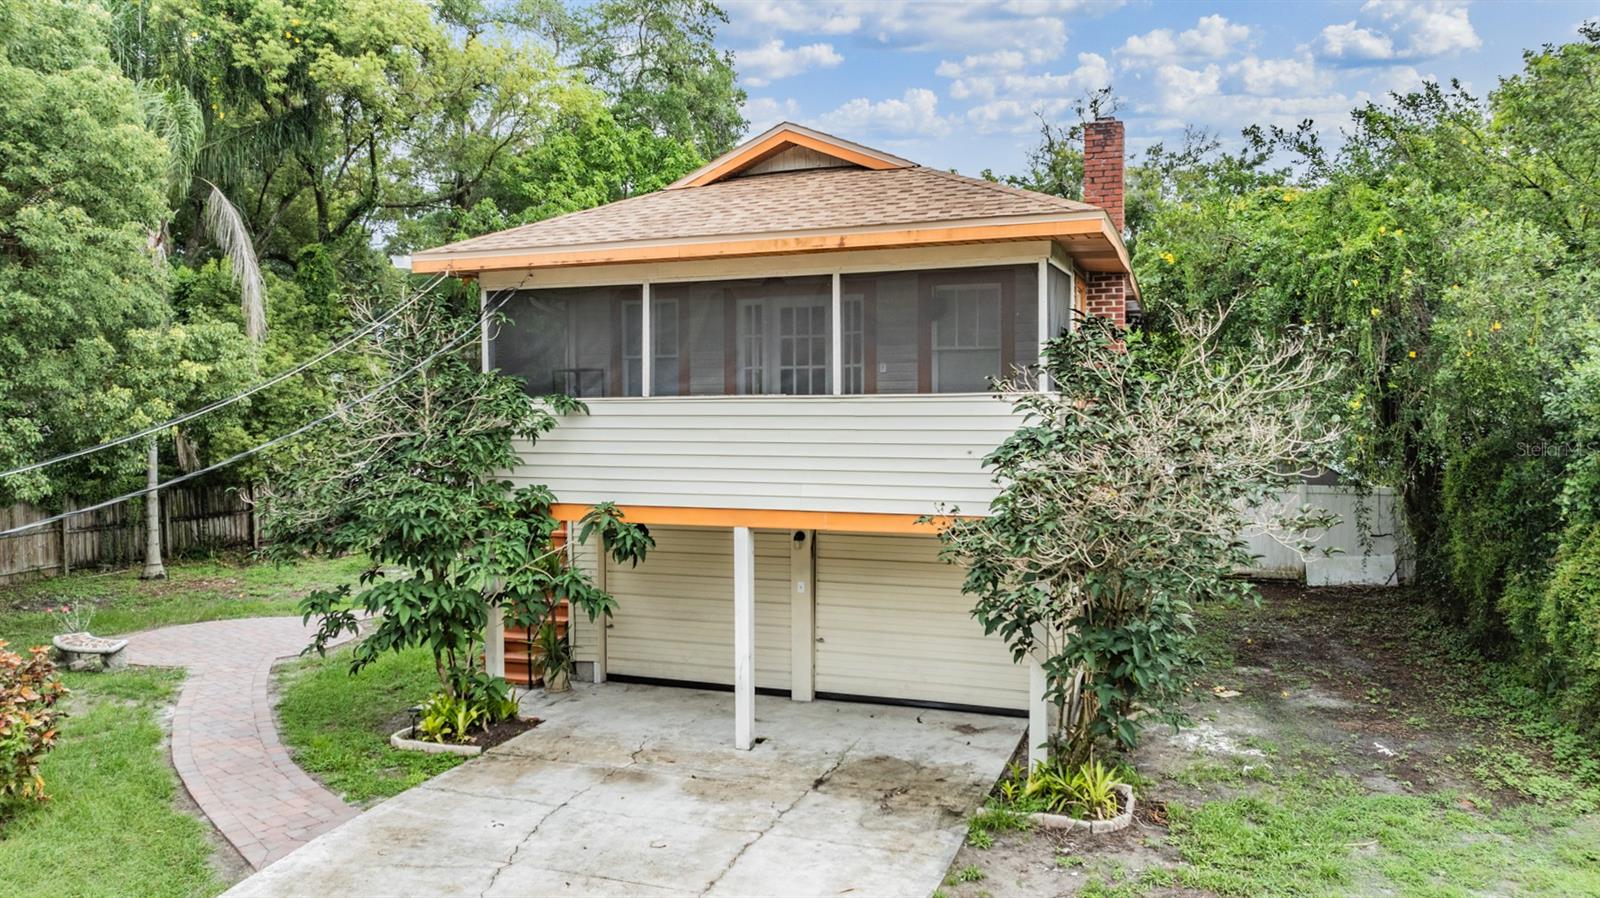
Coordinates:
(960,85)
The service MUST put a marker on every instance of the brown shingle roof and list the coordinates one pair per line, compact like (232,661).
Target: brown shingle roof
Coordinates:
(811,200)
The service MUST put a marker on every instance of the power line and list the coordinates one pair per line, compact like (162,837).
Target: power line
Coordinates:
(341,346)
(455,342)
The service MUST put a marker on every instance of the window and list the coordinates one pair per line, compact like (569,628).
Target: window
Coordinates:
(664,333)
(1060,304)
(762,336)
(852,339)
(965,337)
(571,341)
(944,331)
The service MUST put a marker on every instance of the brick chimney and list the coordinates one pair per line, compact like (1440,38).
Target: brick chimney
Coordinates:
(1103,186)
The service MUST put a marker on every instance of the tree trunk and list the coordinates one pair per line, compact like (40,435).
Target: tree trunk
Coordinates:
(153,568)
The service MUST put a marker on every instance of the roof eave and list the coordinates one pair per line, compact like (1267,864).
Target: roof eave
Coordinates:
(1087,236)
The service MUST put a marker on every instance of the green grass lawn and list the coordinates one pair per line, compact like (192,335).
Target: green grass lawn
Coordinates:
(338,725)
(114,825)
(1366,750)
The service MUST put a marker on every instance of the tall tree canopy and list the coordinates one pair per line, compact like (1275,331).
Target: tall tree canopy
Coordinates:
(1449,244)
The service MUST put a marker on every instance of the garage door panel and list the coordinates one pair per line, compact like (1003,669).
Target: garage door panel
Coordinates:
(892,622)
(674,617)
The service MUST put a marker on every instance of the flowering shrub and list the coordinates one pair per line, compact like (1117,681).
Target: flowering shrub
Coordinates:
(71,618)
(29,692)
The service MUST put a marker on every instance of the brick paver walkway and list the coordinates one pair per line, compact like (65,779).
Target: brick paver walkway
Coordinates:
(224,740)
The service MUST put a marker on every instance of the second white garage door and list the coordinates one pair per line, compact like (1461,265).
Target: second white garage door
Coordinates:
(892,622)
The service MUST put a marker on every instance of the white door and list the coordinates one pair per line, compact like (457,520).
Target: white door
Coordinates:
(674,617)
(892,622)
(783,346)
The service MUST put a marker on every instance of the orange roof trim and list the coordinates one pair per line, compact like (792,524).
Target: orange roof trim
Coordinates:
(779,138)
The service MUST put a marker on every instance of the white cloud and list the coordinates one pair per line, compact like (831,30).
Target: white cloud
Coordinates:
(1013,102)
(1183,89)
(973,27)
(1093,71)
(915,114)
(777,15)
(1351,41)
(1212,37)
(765,64)
(999,60)
(1435,28)
(764,112)
(1431,29)
(1268,77)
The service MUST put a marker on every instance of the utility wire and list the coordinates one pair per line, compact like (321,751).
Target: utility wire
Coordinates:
(341,346)
(456,341)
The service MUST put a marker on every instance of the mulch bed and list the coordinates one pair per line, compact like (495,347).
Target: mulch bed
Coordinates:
(503,731)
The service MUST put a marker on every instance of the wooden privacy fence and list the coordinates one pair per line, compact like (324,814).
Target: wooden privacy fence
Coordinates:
(193,519)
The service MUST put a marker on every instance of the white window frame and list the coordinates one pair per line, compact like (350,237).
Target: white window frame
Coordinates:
(977,328)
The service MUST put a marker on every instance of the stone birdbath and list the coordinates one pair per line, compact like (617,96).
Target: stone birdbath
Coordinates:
(83,652)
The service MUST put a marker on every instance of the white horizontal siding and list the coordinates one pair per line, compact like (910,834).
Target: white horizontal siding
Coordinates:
(898,455)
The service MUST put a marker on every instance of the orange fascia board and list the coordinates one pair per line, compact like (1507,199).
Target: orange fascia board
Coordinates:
(776,144)
(771,246)
(762,519)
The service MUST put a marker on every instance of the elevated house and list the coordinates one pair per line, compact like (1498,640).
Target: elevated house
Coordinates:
(786,356)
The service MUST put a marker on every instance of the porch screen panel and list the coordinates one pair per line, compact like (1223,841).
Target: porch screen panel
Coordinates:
(945,331)
(583,342)
(1059,302)
(765,336)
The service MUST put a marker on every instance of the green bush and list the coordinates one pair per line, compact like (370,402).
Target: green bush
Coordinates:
(1570,617)
(1499,513)
(29,691)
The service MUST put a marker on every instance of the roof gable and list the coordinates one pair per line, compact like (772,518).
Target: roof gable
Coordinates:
(785,139)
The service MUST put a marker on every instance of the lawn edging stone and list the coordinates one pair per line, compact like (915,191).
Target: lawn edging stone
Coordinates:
(1094,827)
(401,740)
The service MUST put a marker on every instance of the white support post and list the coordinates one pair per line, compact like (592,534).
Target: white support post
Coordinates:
(744,638)
(1044,320)
(494,642)
(494,631)
(646,342)
(836,334)
(483,327)
(601,623)
(1038,715)
(802,616)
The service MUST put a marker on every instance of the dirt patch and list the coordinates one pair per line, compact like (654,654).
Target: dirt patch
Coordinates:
(901,786)
(1319,683)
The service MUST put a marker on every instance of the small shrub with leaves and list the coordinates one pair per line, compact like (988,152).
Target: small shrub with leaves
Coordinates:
(30,692)
(1121,501)
(1087,791)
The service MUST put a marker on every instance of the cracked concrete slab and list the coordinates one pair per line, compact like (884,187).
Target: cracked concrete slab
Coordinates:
(637,790)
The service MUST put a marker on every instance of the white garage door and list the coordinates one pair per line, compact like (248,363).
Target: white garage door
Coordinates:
(674,617)
(892,622)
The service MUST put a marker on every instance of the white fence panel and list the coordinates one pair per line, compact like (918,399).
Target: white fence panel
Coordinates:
(1377,559)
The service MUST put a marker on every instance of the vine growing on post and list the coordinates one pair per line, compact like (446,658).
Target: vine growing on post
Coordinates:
(414,480)
(1123,497)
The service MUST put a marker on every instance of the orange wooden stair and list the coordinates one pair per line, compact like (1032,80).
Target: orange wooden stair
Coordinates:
(522,656)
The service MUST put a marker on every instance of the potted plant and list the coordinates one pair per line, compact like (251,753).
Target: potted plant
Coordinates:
(556,658)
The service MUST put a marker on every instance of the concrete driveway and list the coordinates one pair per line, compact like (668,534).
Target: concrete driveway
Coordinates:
(636,790)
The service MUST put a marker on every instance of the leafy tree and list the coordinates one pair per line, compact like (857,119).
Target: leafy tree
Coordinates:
(1121,500)
(658,62)
(409,477)
(1446,245)
(80,190)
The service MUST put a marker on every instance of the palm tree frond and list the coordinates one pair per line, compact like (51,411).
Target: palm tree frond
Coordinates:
(173,113)
(228,229)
